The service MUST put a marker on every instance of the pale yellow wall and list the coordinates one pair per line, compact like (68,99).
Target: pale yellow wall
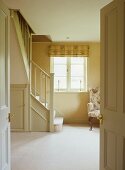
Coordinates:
(40,55)
(72,106)
(94,65)
(17,69)
(19,88)
(41,58)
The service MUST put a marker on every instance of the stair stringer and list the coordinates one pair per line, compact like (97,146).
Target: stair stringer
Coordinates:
(20,38)
(39,116)
(16,62)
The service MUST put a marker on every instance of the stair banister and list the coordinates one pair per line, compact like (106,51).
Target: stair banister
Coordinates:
(40,68)
(51,102)
(35,81)
(45,82)
(41,84)
(45,92)
(23,37)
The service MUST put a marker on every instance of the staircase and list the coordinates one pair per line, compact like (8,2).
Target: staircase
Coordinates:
(24,34)
(42,116)
(41,98)
(42,94)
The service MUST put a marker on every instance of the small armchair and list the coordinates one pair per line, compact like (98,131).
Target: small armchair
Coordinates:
(94,105)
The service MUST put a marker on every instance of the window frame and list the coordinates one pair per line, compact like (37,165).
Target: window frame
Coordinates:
(68,83)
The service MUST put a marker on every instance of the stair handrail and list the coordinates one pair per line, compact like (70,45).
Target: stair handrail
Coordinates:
(40,68)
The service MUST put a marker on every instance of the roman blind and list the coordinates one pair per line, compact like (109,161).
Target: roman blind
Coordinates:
(69,50)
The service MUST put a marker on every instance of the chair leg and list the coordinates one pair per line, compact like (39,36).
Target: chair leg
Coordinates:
(91,123)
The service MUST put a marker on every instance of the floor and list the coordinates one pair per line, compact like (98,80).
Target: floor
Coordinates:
(74,148)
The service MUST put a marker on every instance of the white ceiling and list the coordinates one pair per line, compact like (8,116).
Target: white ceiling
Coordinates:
(63,20)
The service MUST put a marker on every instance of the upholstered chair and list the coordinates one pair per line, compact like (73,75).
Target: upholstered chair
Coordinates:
(93,105)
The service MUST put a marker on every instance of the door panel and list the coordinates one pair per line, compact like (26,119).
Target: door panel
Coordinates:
(2,59)
(19,111)
(110,149)
(4,89)
(17,103)
(112,131)
(110,60)
(124,153)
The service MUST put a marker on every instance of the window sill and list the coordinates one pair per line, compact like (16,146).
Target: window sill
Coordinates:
(69,92)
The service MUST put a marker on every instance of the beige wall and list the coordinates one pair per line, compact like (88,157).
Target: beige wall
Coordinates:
(19,88)
(72,106)
(17,69)
(40,55)
(94,65)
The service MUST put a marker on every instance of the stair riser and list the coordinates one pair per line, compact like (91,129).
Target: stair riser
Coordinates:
(58,128)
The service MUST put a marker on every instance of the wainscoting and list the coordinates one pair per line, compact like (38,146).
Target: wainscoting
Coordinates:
(19,107)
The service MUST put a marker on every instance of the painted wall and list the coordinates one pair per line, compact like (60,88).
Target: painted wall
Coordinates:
(72,106)
(17,69)
(94,65)
(40,55)
(19,88)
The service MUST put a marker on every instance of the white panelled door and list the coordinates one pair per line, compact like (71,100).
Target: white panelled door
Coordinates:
(4,89)
(112,136)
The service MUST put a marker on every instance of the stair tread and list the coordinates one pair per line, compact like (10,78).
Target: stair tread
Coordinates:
(58,120)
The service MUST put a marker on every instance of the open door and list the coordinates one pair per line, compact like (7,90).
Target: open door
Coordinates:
(112,130)
(4,89)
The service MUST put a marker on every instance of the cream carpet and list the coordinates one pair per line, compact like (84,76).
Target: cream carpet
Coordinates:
(75,148)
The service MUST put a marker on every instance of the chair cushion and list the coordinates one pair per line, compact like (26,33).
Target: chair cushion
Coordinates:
(94,113)
(95,97)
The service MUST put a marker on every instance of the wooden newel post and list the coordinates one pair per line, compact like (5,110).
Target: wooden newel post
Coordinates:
(51,102)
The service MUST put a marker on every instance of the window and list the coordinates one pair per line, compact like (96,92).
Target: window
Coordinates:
(70,73)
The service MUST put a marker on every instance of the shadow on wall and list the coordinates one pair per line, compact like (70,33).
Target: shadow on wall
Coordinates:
(72,106)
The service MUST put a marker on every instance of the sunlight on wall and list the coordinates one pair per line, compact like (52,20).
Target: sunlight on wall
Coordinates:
(72,106)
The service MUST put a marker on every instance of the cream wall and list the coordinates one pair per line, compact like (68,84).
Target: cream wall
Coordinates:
(17,69)
(19,88)
(40,55)
(72,106)
(94,65)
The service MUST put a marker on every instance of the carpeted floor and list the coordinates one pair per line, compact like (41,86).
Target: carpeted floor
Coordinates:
(75,148)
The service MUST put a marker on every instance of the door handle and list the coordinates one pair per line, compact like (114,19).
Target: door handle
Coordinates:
(100,117)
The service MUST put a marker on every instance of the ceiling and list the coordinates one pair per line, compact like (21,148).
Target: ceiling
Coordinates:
(62,20)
